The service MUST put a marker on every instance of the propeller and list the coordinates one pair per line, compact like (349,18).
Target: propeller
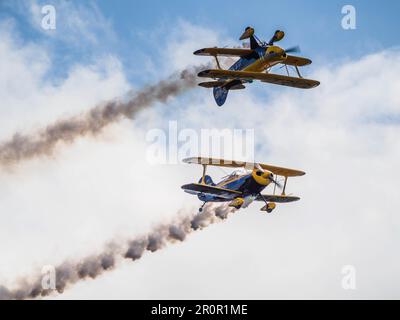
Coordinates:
(285,51)
(292,49)
(275,182)
(270,177)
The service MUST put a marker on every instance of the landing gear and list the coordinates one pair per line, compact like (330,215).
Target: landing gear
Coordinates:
(269,206)
(201,208)
(237,203)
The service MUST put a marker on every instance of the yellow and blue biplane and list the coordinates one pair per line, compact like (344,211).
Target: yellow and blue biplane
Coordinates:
(240,189)
(255,63)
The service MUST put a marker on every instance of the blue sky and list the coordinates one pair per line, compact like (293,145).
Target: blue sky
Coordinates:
(314,24)
(139,28)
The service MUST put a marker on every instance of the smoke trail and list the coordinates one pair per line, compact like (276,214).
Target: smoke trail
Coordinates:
(69,272)
(27,146)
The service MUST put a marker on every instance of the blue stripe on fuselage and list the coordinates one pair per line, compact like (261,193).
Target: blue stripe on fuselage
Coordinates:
(245,62)
(235,184)
(245,184)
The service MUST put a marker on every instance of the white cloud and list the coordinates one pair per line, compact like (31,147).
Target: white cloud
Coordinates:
(30,96)
(95,190)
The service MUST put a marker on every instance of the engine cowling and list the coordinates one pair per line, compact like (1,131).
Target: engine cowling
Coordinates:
(275,53)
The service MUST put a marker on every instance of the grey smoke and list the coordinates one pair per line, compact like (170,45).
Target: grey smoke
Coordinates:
(91,267)
(43,143)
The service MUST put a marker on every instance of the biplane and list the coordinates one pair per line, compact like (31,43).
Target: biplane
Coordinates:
(254,63)
(241,188)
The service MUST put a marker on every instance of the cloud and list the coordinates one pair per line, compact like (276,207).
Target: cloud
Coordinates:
(30,96)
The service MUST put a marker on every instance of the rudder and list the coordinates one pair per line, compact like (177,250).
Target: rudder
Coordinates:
(207,180)
(220,95)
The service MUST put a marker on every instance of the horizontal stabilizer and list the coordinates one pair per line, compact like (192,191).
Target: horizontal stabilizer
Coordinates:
(237,87)
(211,84)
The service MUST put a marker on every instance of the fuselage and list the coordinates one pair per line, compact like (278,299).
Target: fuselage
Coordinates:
(249,185)
(258,61)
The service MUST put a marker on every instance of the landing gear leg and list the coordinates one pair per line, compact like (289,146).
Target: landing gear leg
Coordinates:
(263,198)
(201,208)
(269,207)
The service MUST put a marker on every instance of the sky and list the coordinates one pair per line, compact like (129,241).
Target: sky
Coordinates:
(344,134)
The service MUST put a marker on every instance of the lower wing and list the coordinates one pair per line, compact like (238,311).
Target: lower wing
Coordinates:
(264,77)
(276,198)
(211,190)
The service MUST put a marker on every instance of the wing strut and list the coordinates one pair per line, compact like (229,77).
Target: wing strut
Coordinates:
(287,70)
(284,186)
(298,71)
(203,180)
(263,198)
(216,59)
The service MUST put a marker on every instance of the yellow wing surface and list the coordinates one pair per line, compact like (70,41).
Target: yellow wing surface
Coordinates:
(280,171)
(264,77)
(240,52)
(227,52)
(296,61)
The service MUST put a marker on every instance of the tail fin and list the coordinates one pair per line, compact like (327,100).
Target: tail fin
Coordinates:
(207,180)
(220,95)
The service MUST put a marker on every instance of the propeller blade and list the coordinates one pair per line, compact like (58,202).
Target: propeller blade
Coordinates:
(277,183)
(293,49)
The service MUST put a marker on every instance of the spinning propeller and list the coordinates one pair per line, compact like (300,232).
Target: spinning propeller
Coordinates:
(282,52)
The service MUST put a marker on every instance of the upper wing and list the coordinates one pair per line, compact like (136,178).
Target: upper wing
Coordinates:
(264,77)
(211,190)
(280,171)
(276,198)
(227,52)
(296,61)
